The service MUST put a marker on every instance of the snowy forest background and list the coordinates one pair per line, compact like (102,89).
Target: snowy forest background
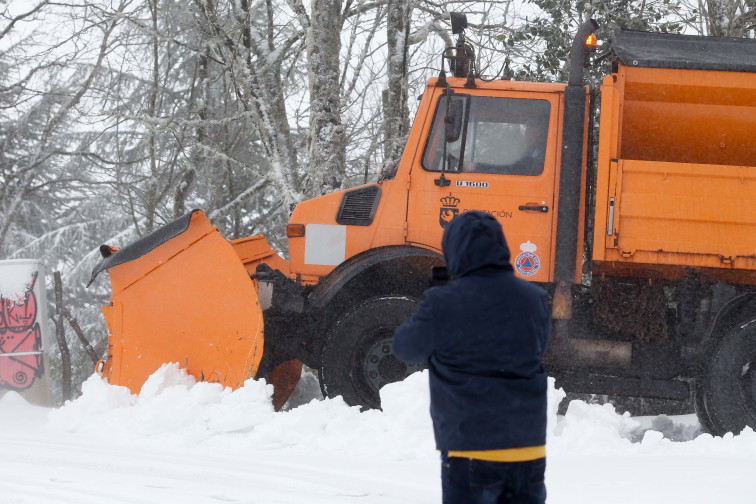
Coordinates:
(117,116)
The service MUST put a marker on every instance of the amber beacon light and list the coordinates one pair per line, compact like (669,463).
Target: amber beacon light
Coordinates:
(591,42)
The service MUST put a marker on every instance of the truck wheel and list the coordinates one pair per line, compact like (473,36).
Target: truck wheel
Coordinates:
(699,401)
(730,397)
(356,359)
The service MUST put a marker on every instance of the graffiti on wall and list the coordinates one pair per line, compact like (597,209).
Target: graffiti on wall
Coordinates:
(20,339)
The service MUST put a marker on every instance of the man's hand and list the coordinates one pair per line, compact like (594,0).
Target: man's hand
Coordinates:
(439,276)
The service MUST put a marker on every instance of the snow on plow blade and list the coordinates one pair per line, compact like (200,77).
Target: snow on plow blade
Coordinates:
(181,294)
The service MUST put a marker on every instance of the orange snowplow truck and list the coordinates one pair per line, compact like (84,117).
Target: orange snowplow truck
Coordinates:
(649,259)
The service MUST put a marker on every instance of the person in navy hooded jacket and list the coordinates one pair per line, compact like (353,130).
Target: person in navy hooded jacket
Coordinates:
(483,335)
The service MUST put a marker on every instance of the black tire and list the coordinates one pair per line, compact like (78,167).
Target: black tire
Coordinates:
(356,359)
(699,401)
(730,395)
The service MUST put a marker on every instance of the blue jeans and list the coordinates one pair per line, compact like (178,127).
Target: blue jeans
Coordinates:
(471,481)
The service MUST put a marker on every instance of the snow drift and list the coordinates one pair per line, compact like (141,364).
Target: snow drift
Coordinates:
(199,442)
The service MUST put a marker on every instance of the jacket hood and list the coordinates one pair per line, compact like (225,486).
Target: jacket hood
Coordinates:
(474,240)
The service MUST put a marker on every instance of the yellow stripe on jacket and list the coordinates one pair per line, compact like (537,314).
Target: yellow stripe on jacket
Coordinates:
(506,455)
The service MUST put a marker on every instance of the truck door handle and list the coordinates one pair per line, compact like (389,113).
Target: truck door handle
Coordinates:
(534,208)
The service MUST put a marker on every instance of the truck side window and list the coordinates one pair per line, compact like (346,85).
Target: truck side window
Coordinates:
(501,135)
(434,148)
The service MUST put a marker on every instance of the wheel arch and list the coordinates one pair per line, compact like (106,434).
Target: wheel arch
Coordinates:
(401,270)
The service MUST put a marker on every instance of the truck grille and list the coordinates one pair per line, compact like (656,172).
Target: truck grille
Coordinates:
(358,206)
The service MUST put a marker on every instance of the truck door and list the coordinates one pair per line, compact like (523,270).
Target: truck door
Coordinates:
(500,159)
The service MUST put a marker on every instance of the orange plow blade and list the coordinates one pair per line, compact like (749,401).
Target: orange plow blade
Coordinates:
(182,295)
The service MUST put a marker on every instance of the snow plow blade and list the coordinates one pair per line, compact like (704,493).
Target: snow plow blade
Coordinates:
(181,294)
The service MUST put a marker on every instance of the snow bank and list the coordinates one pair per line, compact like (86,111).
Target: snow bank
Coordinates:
(175,409)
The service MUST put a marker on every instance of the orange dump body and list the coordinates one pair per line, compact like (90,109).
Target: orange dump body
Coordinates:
(188,300)
(676,182)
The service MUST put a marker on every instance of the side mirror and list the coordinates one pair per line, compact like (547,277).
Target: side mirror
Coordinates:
(454,114)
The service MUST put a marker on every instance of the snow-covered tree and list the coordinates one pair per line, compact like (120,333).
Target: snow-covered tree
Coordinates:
(723,18)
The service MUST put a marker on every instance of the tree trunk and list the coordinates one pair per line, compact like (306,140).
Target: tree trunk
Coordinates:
(395,110)
(327,139)
(199,98)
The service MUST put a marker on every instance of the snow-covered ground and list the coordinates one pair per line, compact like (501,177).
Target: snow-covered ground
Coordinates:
(187,442)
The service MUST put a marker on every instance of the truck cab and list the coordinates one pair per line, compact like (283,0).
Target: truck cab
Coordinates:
(504,160)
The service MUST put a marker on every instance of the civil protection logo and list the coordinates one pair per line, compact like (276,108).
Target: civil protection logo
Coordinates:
(448,210)
(527,262)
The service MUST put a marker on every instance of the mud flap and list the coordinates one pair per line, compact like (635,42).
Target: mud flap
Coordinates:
(284,379)
(182,295)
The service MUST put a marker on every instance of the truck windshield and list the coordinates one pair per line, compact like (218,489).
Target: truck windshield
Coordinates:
(500,135)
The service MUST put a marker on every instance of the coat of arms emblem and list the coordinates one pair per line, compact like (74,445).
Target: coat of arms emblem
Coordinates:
(448,209)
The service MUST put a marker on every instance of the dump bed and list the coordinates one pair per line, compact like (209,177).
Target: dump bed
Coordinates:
(676,181)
